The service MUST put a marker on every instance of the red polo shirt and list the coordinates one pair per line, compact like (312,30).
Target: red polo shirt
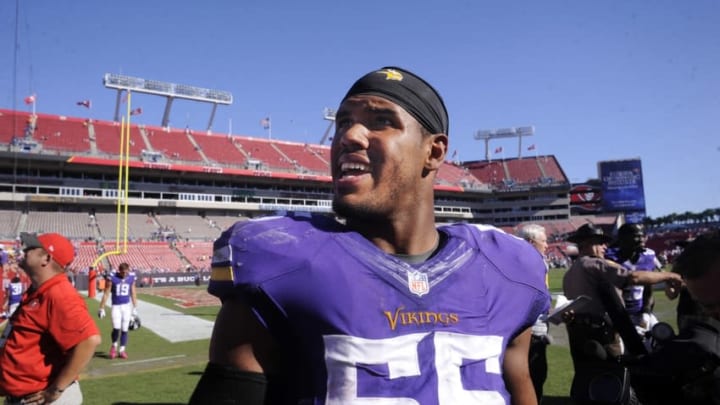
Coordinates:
(49,322)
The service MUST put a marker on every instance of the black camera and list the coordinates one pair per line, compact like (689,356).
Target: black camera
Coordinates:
(680,369)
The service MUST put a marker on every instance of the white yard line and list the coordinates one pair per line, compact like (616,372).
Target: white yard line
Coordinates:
(173,326)
(125,362)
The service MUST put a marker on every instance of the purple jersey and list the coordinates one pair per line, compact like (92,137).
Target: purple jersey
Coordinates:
(121,288)
(15,292)
(633,294)
(362,324)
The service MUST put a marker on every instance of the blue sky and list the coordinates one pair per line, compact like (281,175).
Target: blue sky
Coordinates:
(601,80)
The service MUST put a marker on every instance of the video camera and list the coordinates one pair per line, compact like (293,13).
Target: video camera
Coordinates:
(672,369)
(680,369)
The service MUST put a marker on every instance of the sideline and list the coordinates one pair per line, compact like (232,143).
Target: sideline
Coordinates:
(171,325)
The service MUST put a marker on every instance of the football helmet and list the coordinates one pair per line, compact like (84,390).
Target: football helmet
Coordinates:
(135,322)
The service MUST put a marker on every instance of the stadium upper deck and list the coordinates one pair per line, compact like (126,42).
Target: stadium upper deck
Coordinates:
(50,160)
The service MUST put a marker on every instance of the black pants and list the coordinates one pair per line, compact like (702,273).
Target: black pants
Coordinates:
(538,364)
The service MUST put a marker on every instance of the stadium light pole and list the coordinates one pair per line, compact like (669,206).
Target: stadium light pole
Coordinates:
(328,115)
(170,91)
(512,132)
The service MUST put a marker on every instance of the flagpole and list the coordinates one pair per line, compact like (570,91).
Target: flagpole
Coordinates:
(269,127)
(229,126)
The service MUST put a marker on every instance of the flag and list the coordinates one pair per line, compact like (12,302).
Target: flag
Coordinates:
(30,99)
(531,147)
(265,123)
(136,111)
(454,155)
(498,149)
(84,103)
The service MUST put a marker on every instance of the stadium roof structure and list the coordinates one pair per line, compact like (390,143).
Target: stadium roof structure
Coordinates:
(170,91)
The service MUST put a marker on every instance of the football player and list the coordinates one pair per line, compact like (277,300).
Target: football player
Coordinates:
(121,287)
(383,307)
(14,293)
(630,252)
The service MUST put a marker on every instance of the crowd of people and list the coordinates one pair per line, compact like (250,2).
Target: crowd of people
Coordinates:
(382,305)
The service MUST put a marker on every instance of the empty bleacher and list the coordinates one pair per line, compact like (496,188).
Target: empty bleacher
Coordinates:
(263,151)
(199,254)
(304,156)
(62,133)
(173,144)
(524,171)
(322,152)
(12,124)
(146,256)
(9,223)
(187,226)
(451,174)
(223,223)
(140,226)
(74,225)
(107,137)
(552,169)
(490,172)
(221,149)
(85,255)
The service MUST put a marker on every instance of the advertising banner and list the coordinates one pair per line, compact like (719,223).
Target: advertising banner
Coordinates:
(622,188)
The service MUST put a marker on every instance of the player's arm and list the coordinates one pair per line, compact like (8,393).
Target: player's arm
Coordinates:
(103,300)
(133,294)
(106,293)
(516,371)
(648,300)
(6,299)
(242,353)
(654,277)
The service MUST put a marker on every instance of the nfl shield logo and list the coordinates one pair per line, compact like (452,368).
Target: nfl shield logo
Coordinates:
(418,283)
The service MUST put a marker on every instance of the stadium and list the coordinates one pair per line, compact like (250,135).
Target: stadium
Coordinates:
(157,196)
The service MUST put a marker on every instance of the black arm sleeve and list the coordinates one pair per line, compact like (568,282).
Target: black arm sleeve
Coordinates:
(225,385)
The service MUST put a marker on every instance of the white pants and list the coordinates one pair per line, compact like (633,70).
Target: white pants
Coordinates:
(12,308)
(121,316)
(71,396)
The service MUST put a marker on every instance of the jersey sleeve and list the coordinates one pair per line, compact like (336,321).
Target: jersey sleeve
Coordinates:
(520,263)
(251,252)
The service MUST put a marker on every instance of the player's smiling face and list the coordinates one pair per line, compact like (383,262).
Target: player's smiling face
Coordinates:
(377,157)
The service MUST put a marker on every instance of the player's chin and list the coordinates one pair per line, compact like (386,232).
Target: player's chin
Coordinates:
(348,207)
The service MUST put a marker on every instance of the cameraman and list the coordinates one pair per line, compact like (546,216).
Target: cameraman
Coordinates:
(699,266)
(686,369)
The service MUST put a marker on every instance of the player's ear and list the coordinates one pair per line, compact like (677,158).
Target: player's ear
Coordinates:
(437,151)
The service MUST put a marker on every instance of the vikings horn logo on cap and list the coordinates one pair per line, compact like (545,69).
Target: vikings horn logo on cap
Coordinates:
(391,74)
(410,92)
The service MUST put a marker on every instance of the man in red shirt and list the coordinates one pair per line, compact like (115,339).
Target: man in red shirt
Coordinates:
(51,337)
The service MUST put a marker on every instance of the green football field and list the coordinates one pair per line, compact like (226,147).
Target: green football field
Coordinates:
(159,372)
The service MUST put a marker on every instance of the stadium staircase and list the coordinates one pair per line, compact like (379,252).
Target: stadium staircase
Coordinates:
(284,157)
(91,138)
(506,170)
(542,169)
(146,141)
(198,148)
(22,223)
